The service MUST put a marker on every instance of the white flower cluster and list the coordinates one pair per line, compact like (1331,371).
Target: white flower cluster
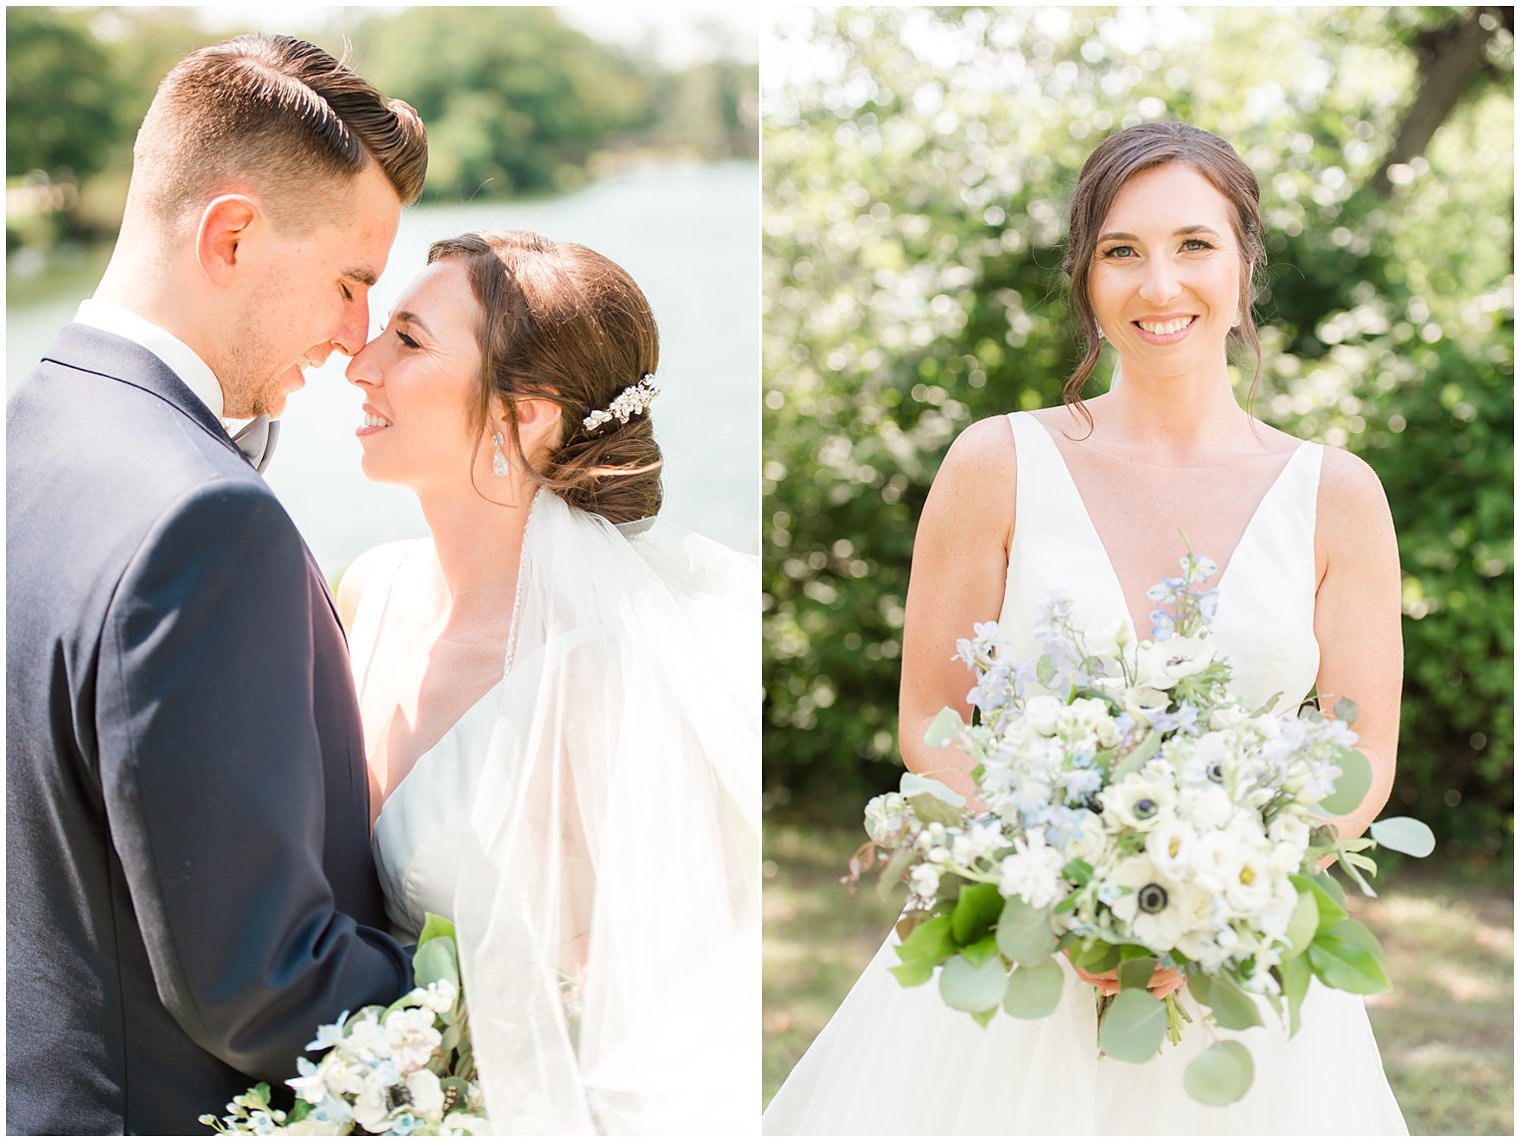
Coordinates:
(382,1074)
(1127,789)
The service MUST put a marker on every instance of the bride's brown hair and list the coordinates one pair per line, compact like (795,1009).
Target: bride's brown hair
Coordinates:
(1114,162)
(563,323)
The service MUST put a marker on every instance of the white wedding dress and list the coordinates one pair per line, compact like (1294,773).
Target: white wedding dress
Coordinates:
(895,1060)
(591,826)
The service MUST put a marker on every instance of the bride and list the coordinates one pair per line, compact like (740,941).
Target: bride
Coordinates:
(1165,238)
(559,698)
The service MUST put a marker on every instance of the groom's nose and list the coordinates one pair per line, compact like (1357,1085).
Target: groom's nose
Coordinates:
(350,336)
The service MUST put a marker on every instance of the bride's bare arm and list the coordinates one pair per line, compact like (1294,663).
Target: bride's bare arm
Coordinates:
(960,564)
(1357,613)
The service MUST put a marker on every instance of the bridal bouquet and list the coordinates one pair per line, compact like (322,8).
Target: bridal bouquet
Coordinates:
(402,1069)
(1131,813)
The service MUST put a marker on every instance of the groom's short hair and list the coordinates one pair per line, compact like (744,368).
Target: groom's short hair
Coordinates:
(277,116)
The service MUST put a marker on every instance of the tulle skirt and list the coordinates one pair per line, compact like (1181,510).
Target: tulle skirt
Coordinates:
(895,1060)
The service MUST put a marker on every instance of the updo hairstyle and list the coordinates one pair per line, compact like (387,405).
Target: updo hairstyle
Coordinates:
(1114,162)
(564,324)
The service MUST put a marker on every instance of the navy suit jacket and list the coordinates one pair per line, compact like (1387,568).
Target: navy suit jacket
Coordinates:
(189,885)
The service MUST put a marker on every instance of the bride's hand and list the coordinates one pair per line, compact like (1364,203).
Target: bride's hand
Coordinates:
(1164,981)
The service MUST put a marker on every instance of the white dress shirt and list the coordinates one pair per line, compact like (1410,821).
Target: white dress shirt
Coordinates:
(184,361)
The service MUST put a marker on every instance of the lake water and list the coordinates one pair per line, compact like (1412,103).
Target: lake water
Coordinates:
(690,238)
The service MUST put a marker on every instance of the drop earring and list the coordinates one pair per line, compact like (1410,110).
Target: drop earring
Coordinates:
(498,461)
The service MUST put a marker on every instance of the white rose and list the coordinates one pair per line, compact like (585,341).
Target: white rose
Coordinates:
(1108,640)
(1042,711)
(1092,844)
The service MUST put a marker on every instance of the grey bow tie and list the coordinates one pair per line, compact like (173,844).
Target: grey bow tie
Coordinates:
(256,440)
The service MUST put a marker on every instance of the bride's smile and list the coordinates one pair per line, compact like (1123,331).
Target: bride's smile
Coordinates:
(420,375)
(1166,274)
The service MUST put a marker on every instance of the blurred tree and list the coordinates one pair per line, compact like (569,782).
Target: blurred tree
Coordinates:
(515,100)
(513,97)
(917,164)
(51,127)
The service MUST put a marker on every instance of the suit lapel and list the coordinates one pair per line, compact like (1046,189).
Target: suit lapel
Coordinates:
(115,358)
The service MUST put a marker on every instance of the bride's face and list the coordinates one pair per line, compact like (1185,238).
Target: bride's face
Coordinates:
(421,377)
(1166,273)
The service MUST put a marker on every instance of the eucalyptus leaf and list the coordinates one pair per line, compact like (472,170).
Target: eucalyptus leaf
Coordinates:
(1201,984)
(892,873)
(1034,990)
(913,784)
(933,800)
(433,926)
(931,809)
(1097,959)
(436,960)
(1023,932)
(1404,835)
(1133,1027)
(1347,711)
(1045,670)
(1136,973)
(944,729)
(1220,1075)
(976,911)
(972,987)
(1232,1007)
(1352,785)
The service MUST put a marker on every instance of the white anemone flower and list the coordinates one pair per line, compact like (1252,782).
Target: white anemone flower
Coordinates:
(1159,910)
(1138,803)
(1164,664)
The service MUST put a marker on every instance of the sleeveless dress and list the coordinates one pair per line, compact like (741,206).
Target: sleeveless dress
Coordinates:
(590,824)
(895,1060)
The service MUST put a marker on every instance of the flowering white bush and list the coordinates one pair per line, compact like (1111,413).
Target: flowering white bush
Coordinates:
(1132,813)
(402,1069)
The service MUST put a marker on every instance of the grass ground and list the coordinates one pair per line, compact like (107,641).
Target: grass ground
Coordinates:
(1446,1032)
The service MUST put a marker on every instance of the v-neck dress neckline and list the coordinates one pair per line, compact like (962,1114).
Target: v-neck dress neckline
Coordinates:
(1265,618)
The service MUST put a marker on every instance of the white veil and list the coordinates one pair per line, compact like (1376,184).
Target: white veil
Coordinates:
(608,905)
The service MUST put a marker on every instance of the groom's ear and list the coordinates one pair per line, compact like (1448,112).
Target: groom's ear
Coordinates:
(225,223)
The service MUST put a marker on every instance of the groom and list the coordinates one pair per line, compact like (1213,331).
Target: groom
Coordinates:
(189,885)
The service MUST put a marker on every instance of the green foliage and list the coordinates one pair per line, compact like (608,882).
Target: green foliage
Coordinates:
(1220,1075)
(51,127)
(917,164)
(510,96)
(515,100)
